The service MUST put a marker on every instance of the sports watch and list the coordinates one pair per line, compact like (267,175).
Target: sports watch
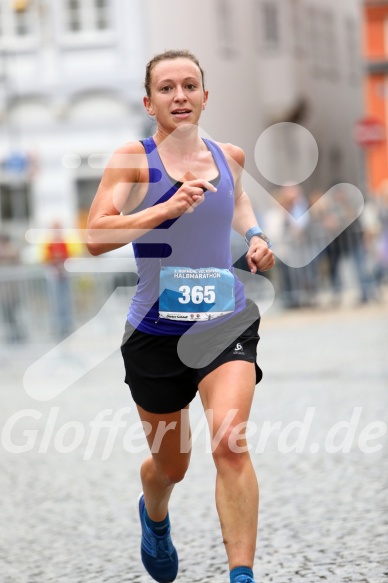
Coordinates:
(257,232)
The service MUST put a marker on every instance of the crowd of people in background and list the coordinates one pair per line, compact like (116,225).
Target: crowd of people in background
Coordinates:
(313,257)
(9,290)
(52,255)
(360,253)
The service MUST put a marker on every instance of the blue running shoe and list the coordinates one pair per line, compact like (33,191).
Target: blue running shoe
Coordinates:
(158,554)
(244,579)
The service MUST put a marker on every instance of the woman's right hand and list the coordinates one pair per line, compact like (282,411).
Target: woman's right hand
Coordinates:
(188,197)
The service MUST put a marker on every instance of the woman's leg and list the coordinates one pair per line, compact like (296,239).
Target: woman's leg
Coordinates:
(227,394)
(168,461)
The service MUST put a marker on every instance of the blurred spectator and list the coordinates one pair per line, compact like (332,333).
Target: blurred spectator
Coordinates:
(289,241)
(350,243)
(55,253)
(317,239)
(382,237)
(9,290)
(372,231)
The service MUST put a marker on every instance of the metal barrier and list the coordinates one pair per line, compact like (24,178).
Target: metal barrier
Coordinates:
(36,304)
(345,265)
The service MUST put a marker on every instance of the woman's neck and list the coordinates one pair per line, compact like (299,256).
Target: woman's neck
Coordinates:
(183,142)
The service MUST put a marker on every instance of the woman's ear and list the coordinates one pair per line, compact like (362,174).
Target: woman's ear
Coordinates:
(205,98)
(148,106)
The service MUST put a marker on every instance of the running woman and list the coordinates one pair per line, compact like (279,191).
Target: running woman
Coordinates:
(190,328)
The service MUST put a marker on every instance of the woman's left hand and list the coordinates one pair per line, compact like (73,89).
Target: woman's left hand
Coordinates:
(259,256)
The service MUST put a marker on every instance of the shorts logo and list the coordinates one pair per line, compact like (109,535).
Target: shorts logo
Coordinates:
(238,349)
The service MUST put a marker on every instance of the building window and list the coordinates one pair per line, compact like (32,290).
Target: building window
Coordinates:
(225,24)
(270,24)
(353,49)
(22,24)
(86,191)
(331,44)
(323,43)
(1,20)
(86,16)
(102,14)
(298,25)
(19,23)
(74,15)
(317,46)
(335,164)
(14,202)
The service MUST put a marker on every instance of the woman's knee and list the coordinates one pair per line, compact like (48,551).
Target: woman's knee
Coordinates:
(174,472)
(230,451)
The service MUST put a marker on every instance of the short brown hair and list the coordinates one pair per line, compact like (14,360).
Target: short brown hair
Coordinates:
(184,54)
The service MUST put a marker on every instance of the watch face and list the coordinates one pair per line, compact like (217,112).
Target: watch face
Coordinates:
(264,237)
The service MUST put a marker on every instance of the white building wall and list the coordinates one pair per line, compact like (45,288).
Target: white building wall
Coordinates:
(69,94)
(264,60)
(300,66)
(221,34)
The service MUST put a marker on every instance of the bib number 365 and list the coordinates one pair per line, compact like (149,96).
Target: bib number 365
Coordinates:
(190,295)
(197,294)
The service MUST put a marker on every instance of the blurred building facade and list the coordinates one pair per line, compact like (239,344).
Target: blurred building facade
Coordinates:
(271,61)
(376,90)
(70,86)
(71,74)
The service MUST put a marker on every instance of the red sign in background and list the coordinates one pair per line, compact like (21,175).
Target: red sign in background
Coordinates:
(369,131)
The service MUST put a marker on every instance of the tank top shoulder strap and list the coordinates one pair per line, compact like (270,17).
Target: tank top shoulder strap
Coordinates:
(219,157)
(149,144)
(155,166)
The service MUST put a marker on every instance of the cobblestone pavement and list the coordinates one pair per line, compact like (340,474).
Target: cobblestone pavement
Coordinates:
(323,508)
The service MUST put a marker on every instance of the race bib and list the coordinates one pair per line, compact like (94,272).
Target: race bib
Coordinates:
(195,294)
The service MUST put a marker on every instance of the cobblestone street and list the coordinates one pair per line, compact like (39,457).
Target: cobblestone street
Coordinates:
(71,517)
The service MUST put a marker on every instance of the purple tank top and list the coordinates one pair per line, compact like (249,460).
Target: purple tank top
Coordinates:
(198,239)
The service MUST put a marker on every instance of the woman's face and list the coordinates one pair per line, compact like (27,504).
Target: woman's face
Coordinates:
(177,96)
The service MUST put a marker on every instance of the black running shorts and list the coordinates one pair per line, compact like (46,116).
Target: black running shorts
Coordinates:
(163,372)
